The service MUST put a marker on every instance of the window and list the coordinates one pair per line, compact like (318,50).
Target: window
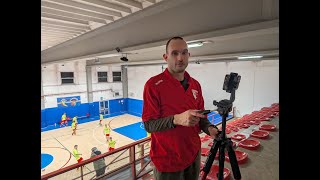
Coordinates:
(102,76)
(116,76)
(67,77)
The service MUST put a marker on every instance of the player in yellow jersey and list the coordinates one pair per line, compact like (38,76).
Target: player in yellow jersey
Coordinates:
(106,131)
(74,128)
(75,119)
(112,144)
(76,154)
(64,120)
(101,118)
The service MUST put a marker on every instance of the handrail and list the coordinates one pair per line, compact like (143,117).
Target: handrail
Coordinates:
(90,160)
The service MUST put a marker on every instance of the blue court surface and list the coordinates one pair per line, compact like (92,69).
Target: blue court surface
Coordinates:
(46,159)
(133,131)
(136,131)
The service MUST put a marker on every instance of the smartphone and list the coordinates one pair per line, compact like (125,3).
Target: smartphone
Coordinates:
(204,112)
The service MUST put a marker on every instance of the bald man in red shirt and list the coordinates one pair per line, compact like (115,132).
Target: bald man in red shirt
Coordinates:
(172,101)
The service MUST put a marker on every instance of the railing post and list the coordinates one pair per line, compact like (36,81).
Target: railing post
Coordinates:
(142,154)
(81,171)
(132,161)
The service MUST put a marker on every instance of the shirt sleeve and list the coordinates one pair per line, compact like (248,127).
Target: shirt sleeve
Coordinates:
(160,124)
(151,103)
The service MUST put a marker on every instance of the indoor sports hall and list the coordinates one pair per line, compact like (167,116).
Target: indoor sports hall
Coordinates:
(97,56)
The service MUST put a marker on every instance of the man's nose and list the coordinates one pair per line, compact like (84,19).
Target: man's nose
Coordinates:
(180,57)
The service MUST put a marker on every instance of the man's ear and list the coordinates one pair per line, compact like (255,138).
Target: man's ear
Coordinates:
(165,57)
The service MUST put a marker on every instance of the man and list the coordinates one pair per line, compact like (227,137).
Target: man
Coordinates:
(171,104)
(74,128)
(64,120)
(106,131)
(98,165)
(76,154)
(75,119)
(112,144)
(101,118)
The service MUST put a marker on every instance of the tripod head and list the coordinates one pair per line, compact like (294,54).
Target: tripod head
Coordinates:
(231,83)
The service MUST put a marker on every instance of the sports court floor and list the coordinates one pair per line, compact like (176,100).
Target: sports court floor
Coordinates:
(57,144)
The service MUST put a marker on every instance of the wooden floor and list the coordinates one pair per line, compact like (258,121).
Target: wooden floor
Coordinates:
(59,142)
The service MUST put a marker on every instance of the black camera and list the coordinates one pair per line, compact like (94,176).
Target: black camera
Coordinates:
(231,82)
(124,59)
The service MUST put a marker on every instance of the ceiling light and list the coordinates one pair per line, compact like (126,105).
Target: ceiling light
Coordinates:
(250,57)
(108,55)
(195,44)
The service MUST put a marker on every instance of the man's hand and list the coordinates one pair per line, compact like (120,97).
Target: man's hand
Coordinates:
(188,118)
(213,131)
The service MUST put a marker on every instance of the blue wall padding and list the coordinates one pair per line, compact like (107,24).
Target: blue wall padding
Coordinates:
(135,107)
(50,116)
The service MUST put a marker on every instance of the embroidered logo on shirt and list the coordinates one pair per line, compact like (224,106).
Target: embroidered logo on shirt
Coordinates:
(158,82)
(195,93)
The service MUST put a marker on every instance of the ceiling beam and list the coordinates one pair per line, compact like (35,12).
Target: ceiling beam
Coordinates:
(44,41)
(64,27)
(50,41)
(110,5)
(151,1)
(49,21)
(50,34)
(58,33)
(62,30)
(71,15)
(63,18)
(88,7)
(75,10)
(131,3)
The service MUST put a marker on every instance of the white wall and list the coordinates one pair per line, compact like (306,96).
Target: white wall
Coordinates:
(259,85)
(53,89)
(105,90)
(138,76)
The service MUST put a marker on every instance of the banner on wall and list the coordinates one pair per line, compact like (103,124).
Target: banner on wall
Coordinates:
(69,101)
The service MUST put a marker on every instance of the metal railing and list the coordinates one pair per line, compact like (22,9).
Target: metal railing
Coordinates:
(122,158)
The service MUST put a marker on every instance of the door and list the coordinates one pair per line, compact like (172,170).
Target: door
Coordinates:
(104,107)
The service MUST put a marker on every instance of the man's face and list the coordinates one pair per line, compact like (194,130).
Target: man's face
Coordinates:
(177,56)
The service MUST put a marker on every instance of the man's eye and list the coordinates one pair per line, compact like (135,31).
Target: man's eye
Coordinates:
(175,53)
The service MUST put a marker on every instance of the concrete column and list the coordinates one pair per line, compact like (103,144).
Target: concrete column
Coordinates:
(42,96)
(124,79)
(89,84)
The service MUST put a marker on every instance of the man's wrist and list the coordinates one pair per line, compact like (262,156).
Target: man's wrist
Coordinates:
(175,118)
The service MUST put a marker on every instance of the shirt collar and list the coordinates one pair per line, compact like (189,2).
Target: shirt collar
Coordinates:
(174,80)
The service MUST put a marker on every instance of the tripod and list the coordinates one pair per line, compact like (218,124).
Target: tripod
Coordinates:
(221,142)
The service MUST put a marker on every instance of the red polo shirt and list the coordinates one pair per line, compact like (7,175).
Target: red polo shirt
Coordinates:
(173,149)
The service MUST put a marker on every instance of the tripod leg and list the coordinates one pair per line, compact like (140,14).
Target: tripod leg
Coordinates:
(221,160)
(213,151)
(233,160)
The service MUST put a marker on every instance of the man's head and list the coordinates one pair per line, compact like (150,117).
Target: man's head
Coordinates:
(177,55)
(76,146)
(94,149)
